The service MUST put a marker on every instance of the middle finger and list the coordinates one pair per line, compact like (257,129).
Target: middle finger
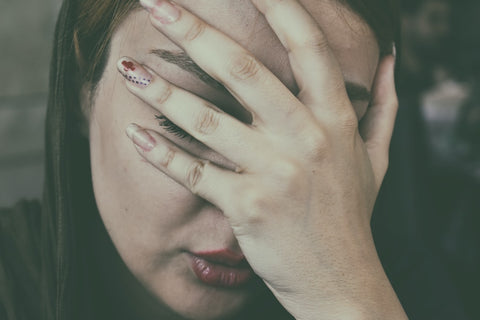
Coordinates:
(247,79)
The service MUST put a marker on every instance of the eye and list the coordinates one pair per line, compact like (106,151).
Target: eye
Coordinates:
(171,127)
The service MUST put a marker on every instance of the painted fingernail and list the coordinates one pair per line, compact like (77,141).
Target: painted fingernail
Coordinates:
(162,10)
(141,137)
(134,72)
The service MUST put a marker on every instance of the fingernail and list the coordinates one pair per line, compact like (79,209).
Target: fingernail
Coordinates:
(148,4)
(394,51)
(162,10)
(134,72)
(140,137)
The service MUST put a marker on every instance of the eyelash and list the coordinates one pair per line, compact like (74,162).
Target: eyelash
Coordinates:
(171,127)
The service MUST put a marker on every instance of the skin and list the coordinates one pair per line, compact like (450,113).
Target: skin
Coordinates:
(310,242)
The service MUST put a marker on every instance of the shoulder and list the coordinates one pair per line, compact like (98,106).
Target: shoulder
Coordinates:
(19,259)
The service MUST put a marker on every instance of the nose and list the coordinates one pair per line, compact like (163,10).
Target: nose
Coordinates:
(220,230)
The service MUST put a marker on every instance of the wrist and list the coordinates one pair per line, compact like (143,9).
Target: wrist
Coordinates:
(351,313)
(365,293)
(348,309)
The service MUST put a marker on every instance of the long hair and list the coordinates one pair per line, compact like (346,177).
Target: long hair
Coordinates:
(82,37)
(79,23)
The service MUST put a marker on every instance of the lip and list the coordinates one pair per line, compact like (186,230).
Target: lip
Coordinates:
(222,256)
(221,268)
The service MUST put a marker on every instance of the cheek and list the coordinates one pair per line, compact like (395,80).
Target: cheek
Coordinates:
(142,209)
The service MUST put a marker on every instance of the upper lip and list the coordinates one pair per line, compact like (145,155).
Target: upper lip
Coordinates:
(223,256)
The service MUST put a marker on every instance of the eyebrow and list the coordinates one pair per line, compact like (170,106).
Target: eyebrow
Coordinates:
(355,91)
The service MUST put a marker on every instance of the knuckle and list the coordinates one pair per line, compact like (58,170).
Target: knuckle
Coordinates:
(194,175)
(195,30)
(317,145)
(286,171)
(244,67)
(207,121)
(164,94)
(168,157)
(349,121)
(254,203)
(290,178)
(318,44)
(296,112)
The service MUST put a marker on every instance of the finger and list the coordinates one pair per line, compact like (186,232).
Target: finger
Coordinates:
(199,176)
(249,81)
(199,118)
(376,127)
(314,66)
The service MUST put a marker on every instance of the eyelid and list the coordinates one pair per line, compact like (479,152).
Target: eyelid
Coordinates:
(171,127)
(357,92)
(194,146)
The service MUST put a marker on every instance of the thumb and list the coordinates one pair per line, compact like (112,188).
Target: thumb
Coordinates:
(376,127)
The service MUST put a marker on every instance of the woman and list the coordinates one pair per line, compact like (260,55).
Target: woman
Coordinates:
(257,137)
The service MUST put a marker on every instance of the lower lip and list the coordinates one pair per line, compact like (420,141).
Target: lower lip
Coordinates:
(218,275)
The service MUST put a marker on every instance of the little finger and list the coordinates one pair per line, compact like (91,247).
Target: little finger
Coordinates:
(376,127)
(199,176)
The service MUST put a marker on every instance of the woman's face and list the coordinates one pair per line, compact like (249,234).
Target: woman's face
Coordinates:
(156,224)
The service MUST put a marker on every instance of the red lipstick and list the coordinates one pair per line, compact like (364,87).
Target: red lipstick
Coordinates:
(222,268)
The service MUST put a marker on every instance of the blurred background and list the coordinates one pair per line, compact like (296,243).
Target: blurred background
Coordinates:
(439,91)
(26,35)
(439,128)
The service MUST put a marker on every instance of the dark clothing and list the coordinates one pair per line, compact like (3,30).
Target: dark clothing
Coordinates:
(20,261)
(423,286)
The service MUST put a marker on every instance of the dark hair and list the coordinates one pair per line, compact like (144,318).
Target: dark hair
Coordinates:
(82,37)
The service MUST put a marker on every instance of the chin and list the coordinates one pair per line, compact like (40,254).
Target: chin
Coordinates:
(191,299)
(213,309)
(210,304)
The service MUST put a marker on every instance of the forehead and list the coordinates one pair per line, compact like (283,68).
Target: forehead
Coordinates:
(351,40)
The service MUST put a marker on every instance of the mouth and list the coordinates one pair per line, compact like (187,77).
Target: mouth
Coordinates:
(221,268)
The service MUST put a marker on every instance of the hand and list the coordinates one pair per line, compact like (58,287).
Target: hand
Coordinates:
(306,178)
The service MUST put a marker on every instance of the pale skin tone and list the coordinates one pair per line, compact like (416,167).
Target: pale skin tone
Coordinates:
(293,189)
